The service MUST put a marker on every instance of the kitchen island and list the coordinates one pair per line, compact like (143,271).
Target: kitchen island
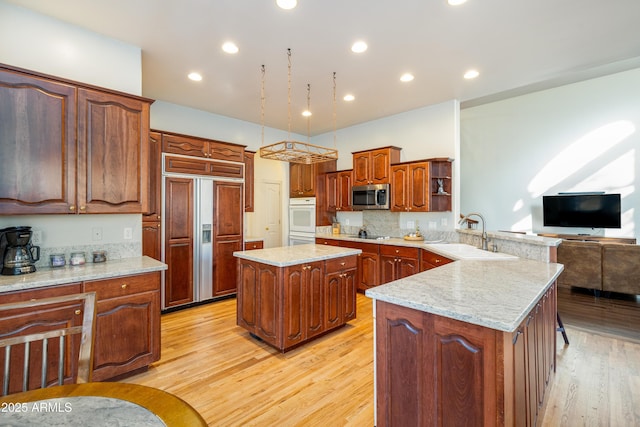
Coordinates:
(468,343)
(290,295)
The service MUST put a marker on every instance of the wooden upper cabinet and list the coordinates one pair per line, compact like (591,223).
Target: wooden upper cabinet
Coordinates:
(113,133)
(373,166)
(421,186)
(37,145)
(410,187)
(249,160)
(338,190)
(200,147)
(302,180)
(155,177)
(71,149)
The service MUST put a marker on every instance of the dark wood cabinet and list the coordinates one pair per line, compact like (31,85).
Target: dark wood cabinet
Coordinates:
(178,282)
(288,306)
(194,166)
(227,235)
(200,147)
(368,262)
(398,262)
(373,166)
(440,185)
(91,144)
(113,143)
(127,335)
(249,177)
(152,239)
(43,145)
(154,207)
(302,180)
(19,322)
(432,368)
(127,328)
(429,260)
(410,187)
(254,244)
(338,190)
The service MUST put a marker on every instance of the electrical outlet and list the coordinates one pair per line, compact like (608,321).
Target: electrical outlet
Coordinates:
(411,225)
(96,234)
(128,233)
(346,221)
(433,225)
(36,237)
(443,222)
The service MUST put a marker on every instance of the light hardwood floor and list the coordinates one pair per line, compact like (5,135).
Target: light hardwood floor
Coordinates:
(234,380)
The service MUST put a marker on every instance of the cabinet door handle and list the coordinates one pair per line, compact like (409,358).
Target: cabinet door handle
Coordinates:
(78,311)
(343,263)
(72,208)
(83,208)
(124,286)
(437,261)
(515,339)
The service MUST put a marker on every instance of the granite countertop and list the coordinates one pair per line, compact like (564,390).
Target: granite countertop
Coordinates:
(294,255)
(56,276)
(496,295)
(454,251)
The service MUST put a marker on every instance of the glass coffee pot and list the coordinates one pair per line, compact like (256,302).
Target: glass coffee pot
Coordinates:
(18,254)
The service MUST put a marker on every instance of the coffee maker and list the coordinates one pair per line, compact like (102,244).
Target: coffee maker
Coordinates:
(17,255)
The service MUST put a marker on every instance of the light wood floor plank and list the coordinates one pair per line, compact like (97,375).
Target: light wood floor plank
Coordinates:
(234,380)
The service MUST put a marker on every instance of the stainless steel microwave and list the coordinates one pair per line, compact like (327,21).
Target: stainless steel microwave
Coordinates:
(370,197)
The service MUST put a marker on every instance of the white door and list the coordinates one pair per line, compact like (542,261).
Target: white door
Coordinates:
(272,213)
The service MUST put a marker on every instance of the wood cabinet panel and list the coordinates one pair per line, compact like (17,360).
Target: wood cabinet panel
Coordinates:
(228,208)
(440,185)
(178,286)
(200,147)
(373,166)
(257,244)
(268,315)
(224,265)
(152,240)
(249,178)
(155,178)
(113,133)
(302,180)
(37,130)
(136,317)
(429,260)
(25,321)
(397,262)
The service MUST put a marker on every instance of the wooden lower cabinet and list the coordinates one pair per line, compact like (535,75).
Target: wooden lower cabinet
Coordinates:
(21,322)
(127,329)
(433,370)
(429,260)
(254,244)
(288,306)
(152,240)
(127,324)
(398,262)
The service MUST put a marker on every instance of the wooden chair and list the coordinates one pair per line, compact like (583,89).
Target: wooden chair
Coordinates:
(46,339)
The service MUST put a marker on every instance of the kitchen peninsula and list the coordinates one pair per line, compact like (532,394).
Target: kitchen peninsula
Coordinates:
(471,342)
(290,295)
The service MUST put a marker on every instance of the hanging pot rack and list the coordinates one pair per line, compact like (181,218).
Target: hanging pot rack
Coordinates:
(296,151)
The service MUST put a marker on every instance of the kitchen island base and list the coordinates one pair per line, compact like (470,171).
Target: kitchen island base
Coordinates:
(286,306)
(434,370)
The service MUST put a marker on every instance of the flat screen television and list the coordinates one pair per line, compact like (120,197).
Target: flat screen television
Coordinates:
(587,210)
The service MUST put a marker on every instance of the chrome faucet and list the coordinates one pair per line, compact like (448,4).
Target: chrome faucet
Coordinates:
(484,232)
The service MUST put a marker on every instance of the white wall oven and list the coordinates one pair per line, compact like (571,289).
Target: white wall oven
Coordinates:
(302,220)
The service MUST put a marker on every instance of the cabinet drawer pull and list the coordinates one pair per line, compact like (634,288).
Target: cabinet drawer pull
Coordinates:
(78,311)
(343,263)
(72,208)
(124,286)
(437,261)
(83,208)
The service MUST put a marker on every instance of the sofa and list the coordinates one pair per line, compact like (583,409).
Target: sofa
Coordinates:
(609,267)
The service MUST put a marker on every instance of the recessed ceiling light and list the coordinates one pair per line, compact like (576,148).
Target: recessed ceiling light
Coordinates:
(456,2)
(196,77)
(306,113)
(407,77)
(287,4)
(230,47)
(359,47)
(471,74)
(349,98)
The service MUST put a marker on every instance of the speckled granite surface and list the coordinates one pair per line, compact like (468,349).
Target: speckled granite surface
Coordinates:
(294,255)
(47,276)
(492,294)
(81,411)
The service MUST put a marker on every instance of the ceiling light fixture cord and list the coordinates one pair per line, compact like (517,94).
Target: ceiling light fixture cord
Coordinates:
(309,111)
(289,92)
(262,102)
(334,112)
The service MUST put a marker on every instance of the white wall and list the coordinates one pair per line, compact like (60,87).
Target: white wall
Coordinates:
(579,137)
(40,43)
(422,133)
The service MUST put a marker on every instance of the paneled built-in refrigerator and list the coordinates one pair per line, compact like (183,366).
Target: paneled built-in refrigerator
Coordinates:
(202,229)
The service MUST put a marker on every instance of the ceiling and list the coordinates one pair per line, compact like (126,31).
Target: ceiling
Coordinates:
(516,45)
